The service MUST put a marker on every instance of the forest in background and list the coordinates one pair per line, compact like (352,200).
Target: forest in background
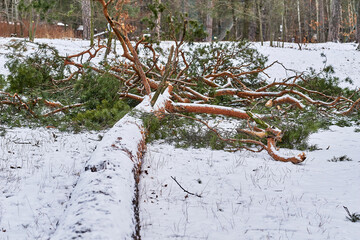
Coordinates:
(256,20)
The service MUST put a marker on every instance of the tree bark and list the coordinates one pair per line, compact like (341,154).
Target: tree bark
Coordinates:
(321,36)
(7,10)
(209,21)
(92,26)
(358,22)
(234,21)
(271,23)
(317,19)
(299,20)
(158,24)
(283,22)
(253,23)
(258,3)
(31,24)
(334,23)
(246,23)
(308,22)
(86,18)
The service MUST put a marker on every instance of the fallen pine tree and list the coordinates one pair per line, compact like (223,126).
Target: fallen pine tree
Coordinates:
(223,79)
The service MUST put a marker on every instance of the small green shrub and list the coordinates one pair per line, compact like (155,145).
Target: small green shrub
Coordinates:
(353,217)
(313,147)
(343,158)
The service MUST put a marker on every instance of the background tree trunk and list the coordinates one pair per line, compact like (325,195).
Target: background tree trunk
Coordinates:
(299,20)
(258,3)
(283,23)
(31,23)
(86,18)
(253,23)
(92,25)
(334,23)
(358,21)
(271,22)
(6,10)
(209,21)
(234,33)
(246,17)
(321,23)
(317,20)
(158,24)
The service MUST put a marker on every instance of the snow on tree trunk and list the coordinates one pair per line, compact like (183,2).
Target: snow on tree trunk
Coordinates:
(103,203)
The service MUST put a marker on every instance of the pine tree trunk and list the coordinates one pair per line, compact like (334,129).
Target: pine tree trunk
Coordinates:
(31,22)
(253,23)
(334,22)
(234,34)
(92,28)
(321,36)
(6,10)
(86,18)
(317,20)
(283,22)
(158,25)
(260,22)
(246,23)
(299,20)
(271,24)
(358,23)
(209,21)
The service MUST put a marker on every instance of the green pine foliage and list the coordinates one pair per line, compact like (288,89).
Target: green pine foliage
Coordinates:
(235,54)
(34,76)
(181,132)
(31,73)
(2,81)
(94,88)
(104,115)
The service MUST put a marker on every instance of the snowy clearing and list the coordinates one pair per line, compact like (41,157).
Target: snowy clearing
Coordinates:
(243,195)
(250,196)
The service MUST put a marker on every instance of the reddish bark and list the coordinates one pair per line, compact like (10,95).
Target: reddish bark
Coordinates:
(271,149)
(204,108)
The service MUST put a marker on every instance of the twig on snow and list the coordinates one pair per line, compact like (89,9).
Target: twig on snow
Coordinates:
(194,194)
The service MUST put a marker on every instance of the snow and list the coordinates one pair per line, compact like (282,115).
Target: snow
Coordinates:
(38,171)
(287,96)
(342,56)
(250,196)
(47,186)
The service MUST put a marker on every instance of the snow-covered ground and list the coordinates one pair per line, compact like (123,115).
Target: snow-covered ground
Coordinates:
(38,171)
(243,195)
(250,196)
(343,57)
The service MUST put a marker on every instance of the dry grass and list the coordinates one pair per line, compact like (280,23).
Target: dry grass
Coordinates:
(42,31)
